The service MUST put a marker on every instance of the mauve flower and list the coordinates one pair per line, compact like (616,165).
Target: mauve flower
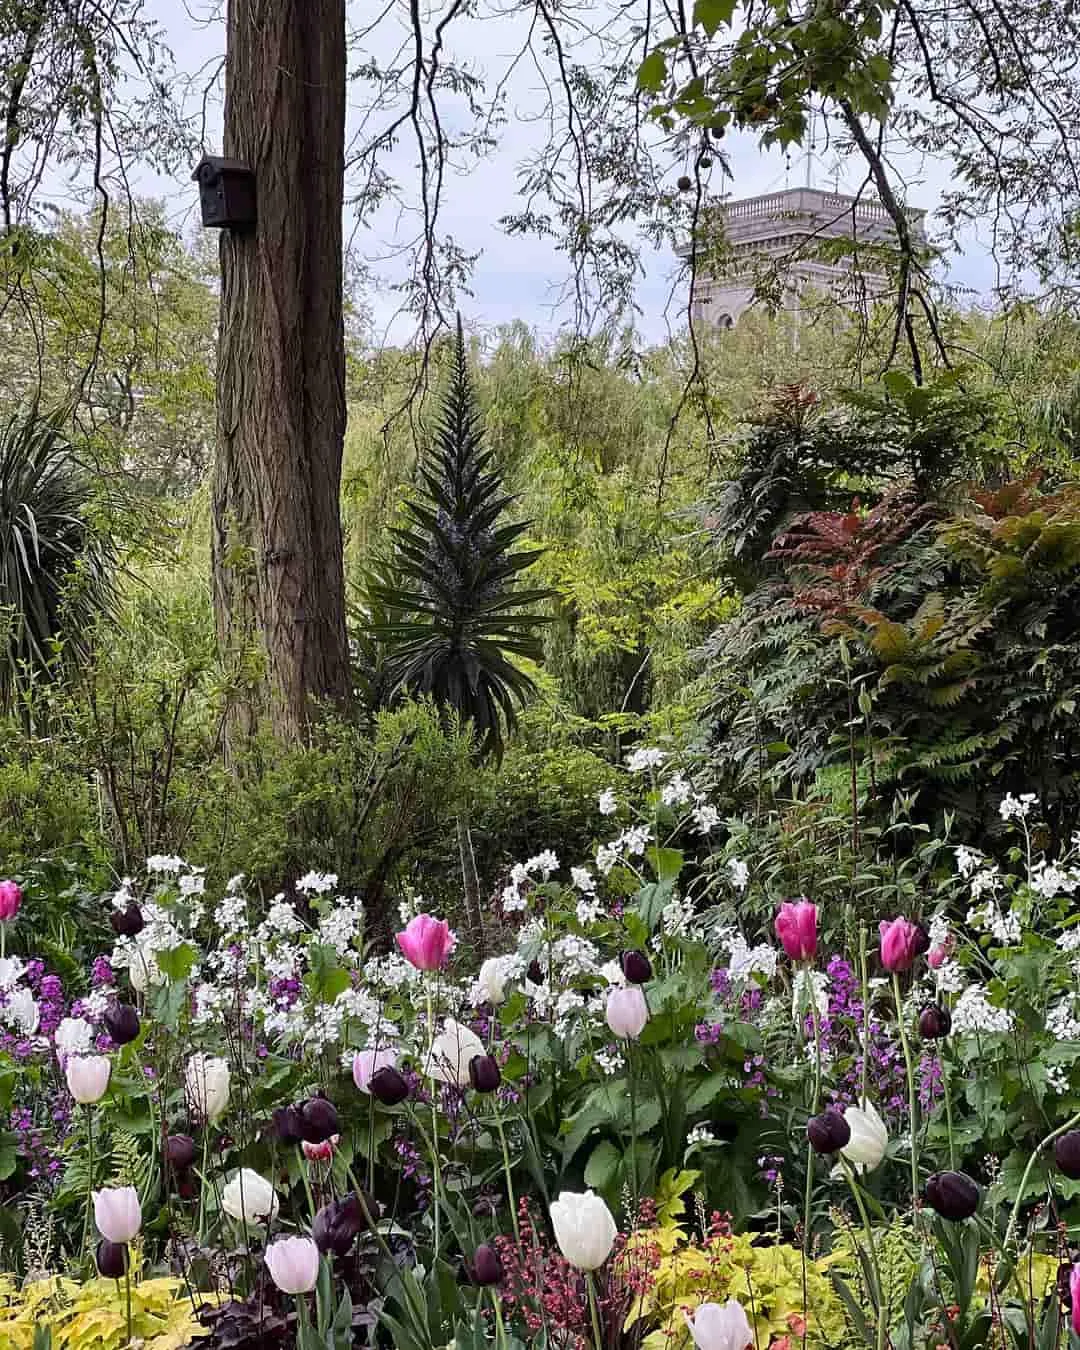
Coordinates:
(636,967)
(111,1259)
(336,1225)
(117,1213)
(937,956)
(900,942)
(486,1267)
(180,1151)
(584,1229)
(388,1086)
(122,1023)
(1074,1294)
(10,900)
(721,1327)
(935,1021)
(627,1012)
(288,1124)
(426,943)
(828,1132)
(484,1073)
(87,1078)
(367,1063)
(796,927)
(293,1263)
(318,1120)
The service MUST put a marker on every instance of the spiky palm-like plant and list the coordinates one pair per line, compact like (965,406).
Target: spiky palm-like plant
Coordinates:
(55,568)
(461,619)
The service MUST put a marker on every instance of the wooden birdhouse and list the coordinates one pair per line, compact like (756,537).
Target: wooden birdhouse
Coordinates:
(226,193)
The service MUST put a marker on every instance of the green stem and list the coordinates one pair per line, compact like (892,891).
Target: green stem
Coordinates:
(371,1144)
(127,1283)
(877,1291)
(865,994)
(437,1177)
(633,1133)
(946,1089)
(500,1328)
(89,1181)
(511,1198)
(913,1101)
(1070,1124)
(808,1199)
(594,1310)
(203,1180)
(301,1321)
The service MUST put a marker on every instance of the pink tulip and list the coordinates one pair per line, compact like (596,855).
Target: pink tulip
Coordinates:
(1074,1291)
(899,944)
(293,1263)
(10,899)
(426,943)
(366,1063)
(937,956)
(796,927)
(117,1213)
(627,1012)
(321,1152)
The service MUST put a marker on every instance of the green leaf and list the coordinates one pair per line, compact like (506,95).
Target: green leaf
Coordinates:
(177,963)
(652,72)
(602,1166)
(665,862)
(713,14)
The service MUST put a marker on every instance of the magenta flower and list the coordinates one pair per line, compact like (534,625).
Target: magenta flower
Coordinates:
(796,927)
(10,899)
(426,943)
(1074,1291)
(899,944)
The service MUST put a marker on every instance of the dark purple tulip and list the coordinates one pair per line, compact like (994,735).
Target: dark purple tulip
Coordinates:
(637,967)
(289,1124)
(484,1073)
(318,1121)
(534,972)
(935,1021)
(179,1151)
(922,939)
(112,1259)
(1067,1154)
(953,1195)
(388,1086)
(486,1266)
(828,1133)
(336,1225)
(121,1022)
(127,922)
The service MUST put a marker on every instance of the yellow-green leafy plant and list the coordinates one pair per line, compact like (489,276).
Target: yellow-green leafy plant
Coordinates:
(767,1281)
(93,1316)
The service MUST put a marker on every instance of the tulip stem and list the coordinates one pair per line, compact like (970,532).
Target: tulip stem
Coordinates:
(865,989)
(1070,1124)
(633,1133)
(946,1090)
(808,1201)
(511,1198)
(594,1310)
(876,1292)
(913,1101)
(301,1321)
(203,1179)
(437,1177)
(89,1180)
(127,1285)
(500,1328)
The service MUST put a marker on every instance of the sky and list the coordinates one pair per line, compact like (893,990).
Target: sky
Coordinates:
(514,277)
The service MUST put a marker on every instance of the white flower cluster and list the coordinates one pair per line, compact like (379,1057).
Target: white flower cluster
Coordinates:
(1051,880)
(949,978)
(607,802)
(744,960)
(317,883)
(738,873)
(677,791)
(1057,1079)
(1062,1023)
(645,758)
(975,1013)
(700,1134)
(1004,924)
(1017,808)
(514,898)
(809,985)
(631,844)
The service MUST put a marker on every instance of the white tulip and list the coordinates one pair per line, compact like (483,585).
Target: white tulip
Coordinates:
(869,1137)
(492,980)
(206,1086)
(87,1077)
(584,1229)
(22,1012)
(721,1327)
(249,1198)
(143,969)
(451,1053)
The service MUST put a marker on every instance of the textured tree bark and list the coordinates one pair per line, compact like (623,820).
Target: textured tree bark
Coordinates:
(279,590)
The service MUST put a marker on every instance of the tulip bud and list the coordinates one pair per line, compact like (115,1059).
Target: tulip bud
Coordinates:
(1067,1154)
(486,1268)
(318,1120)
(535,972)
(122,1023)
(288,1124)
(637,967)
(922,939)
(10,899)
(484,1073)
(388,1086)
(627,1012)
(127,922)
(935,1021)
(112,1259)
(953,1195)
(828,1132)
(179,1151)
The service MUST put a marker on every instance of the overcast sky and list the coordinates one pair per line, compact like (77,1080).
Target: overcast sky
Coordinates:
(519,277)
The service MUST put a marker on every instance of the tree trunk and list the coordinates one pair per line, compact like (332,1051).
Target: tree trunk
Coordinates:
(279,589)
(471,883)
